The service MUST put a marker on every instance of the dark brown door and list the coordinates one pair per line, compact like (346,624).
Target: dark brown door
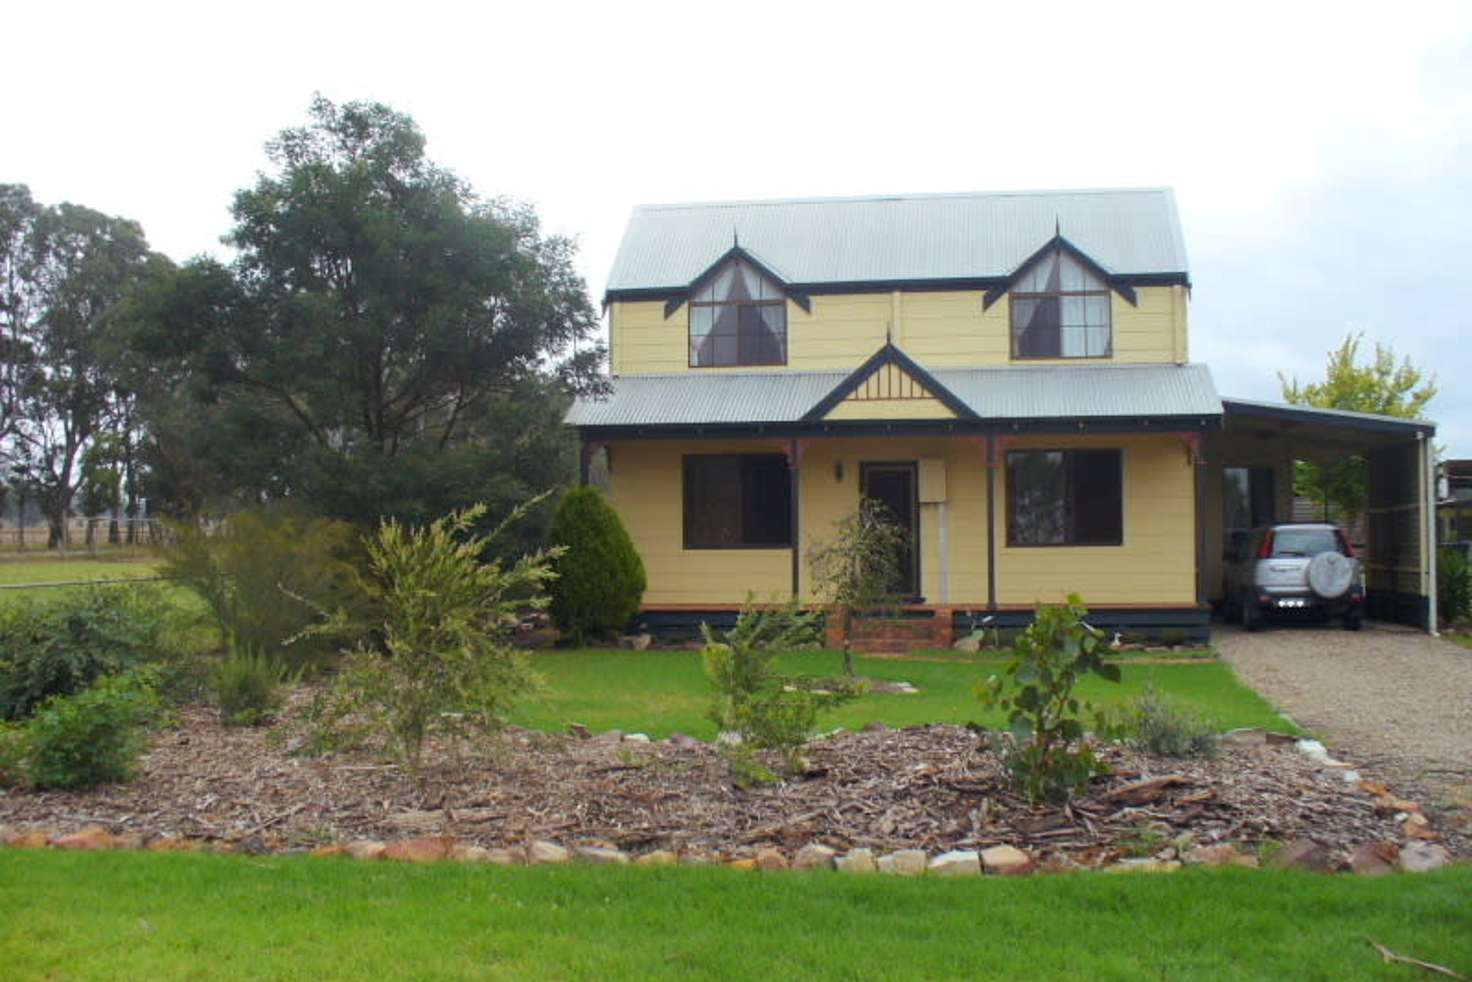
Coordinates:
(896,486)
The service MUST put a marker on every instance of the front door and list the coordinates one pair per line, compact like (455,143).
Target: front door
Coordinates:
(896,486)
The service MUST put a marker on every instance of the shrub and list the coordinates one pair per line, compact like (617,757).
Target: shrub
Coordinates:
(268,574)
(767,709)
(13,749)
(59,647)
(441,620)
(1167,727)
(247,687)
(1043,749)
(600,577)
(861,568)
(1453,586)
(95,736)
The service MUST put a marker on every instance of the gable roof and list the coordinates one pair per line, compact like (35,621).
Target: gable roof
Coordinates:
(1031,393)
(934,238)
(888,355)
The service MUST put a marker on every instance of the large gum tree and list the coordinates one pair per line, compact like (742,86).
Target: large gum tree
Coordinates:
(385,341)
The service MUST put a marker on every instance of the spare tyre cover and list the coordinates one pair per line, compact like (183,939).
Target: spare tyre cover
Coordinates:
(1330,575)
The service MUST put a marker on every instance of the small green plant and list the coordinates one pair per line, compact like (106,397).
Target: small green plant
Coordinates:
(1168,727)
(14,748)
(1043,748)
(247,687)
(60,647)
(1143,840)
(861,569)
(95,736)
(600,577)
(267,574)
(441,619)
(1453,586)
(766,709)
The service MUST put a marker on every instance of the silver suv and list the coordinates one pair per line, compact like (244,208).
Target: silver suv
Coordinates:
(1293,568)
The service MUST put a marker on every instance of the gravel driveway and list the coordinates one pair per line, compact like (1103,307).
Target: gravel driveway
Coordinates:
(1393,701)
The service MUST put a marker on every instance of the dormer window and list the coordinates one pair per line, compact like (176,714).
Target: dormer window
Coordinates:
(738,317)
(1060,309)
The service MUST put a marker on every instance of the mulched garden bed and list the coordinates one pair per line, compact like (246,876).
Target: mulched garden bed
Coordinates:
(931,788)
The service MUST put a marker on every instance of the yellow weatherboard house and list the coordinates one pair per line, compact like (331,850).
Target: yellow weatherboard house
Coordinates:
(1009,373)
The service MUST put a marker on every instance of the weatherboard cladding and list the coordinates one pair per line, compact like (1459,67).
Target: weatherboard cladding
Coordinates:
(1001,393)
(901,238)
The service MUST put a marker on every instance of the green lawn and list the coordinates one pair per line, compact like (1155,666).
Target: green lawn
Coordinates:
(146,916)
(48,570)
(659,692)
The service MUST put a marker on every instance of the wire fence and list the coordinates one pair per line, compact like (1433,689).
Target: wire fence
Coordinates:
(115,537)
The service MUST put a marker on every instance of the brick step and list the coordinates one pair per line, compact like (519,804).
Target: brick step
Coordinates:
(879,646)
(894,629)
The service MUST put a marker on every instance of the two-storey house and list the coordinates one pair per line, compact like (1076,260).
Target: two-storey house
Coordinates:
(1009,374)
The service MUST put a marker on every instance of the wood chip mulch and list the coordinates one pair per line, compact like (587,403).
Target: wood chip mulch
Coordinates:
(932,788)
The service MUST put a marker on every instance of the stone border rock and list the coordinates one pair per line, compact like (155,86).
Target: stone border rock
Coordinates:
(1370,859)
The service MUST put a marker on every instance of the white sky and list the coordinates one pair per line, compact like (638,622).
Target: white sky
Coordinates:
(1320,152)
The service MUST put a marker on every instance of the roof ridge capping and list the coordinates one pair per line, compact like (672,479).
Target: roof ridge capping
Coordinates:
(901,196)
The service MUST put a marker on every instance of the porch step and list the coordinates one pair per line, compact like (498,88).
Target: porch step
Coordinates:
(900,635)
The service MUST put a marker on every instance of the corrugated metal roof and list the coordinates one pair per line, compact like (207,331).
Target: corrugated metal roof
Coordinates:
(1003,392)
(903,237)
(1084,391)
(706,397)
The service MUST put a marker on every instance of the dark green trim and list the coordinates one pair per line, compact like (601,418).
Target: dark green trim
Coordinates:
(888,355)
(1309,414)
(932,285)
(1116,283)
(944,427)
(1191,627)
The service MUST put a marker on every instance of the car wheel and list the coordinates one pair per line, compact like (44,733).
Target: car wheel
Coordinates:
(1354,620)
(1251,615)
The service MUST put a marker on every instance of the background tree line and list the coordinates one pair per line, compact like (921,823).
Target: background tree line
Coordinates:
(384,342)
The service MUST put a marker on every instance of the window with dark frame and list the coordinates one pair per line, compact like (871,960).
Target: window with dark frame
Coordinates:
(1065,498)
(1061,309)
(739,317)
(737,501)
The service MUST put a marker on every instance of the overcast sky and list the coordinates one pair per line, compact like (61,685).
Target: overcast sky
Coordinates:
(1320,154)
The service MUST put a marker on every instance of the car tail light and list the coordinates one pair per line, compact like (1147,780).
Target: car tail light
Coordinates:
(1345,546)
(1266,551)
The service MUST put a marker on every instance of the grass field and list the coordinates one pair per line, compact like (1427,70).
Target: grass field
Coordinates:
(659,692)
(146,916)
(14,571)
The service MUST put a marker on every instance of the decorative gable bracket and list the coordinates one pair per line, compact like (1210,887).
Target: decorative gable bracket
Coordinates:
(1059,242)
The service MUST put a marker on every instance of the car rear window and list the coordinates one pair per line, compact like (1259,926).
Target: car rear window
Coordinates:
(1305,542)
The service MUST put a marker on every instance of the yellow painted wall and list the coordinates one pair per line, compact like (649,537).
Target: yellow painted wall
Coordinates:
(890,409)
(1156,565)
(1157,562)
(645,485)
(938,329)
(826,499)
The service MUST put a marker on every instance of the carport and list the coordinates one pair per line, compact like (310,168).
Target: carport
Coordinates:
(1247,480)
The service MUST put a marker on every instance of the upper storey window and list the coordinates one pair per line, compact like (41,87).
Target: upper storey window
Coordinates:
(738,317)
(1060,309)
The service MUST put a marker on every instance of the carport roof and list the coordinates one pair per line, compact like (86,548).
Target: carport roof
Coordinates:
(1336,419)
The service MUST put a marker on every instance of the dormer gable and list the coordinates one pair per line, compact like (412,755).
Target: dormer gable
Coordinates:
(1060,304)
